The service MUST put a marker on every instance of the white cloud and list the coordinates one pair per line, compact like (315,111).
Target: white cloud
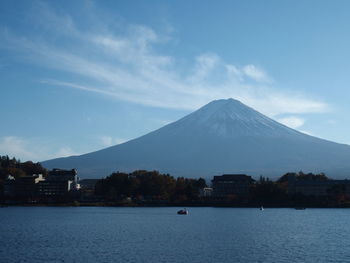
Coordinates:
(16,147)
(26,149)
(126,65)
(255,73)
(307,132)
(292,122)
(64,152)
(110,141)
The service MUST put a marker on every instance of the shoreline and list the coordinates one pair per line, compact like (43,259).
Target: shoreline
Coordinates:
(164,205)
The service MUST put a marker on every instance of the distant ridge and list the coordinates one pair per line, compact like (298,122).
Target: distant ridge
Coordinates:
(224,136)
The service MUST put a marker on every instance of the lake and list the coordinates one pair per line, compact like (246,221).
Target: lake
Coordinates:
(112,234)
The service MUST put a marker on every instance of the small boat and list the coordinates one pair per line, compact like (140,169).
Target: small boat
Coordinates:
(261,208)
(299,208)
(182,212)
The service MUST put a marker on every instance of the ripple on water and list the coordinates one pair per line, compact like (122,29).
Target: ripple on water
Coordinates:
(102,234)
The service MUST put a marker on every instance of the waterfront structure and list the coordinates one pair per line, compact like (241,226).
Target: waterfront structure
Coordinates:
(58,182)
(25,186)
(231,184)
(54,188)
(10,186)
(206,192)
(312,187)
(65,175)
(88,184)
(87,190)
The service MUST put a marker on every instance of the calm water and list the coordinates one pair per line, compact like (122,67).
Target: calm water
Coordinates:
(99,234)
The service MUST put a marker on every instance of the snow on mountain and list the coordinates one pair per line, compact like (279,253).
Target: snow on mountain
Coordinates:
(224,136)
(230,118)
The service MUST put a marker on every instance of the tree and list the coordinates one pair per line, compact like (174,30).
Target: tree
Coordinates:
(151,185)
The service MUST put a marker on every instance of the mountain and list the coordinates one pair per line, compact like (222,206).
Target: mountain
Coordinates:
(224,136)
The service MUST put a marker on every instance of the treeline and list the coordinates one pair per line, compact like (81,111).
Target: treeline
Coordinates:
(153,187)
(16,168)
(149,185)
(303,177)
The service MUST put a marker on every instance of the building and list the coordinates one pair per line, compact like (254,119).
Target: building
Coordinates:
(64,175)
(231,184)
(87,190)
(206,192)
(54,188)
(24,187)
(59,182)
(10,186)
(88,184)
(317,187)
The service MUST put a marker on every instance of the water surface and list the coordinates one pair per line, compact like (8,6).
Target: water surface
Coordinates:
(109,234)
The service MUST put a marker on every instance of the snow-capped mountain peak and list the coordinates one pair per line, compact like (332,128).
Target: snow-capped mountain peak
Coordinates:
(230,118)
(224,136)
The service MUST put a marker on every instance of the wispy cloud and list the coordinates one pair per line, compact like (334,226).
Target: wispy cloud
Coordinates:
(256,73)
(292,121)
(64,152)
(27,149)
(18,147)
(307,132)
(126,65)
(107,141)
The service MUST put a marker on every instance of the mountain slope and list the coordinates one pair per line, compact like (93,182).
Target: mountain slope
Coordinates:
(224,136)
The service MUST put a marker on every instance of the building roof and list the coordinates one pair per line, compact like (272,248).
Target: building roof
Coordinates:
(58,172)
(320,182)
(232,177)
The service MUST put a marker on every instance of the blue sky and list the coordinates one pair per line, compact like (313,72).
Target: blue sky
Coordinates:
(78,77)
